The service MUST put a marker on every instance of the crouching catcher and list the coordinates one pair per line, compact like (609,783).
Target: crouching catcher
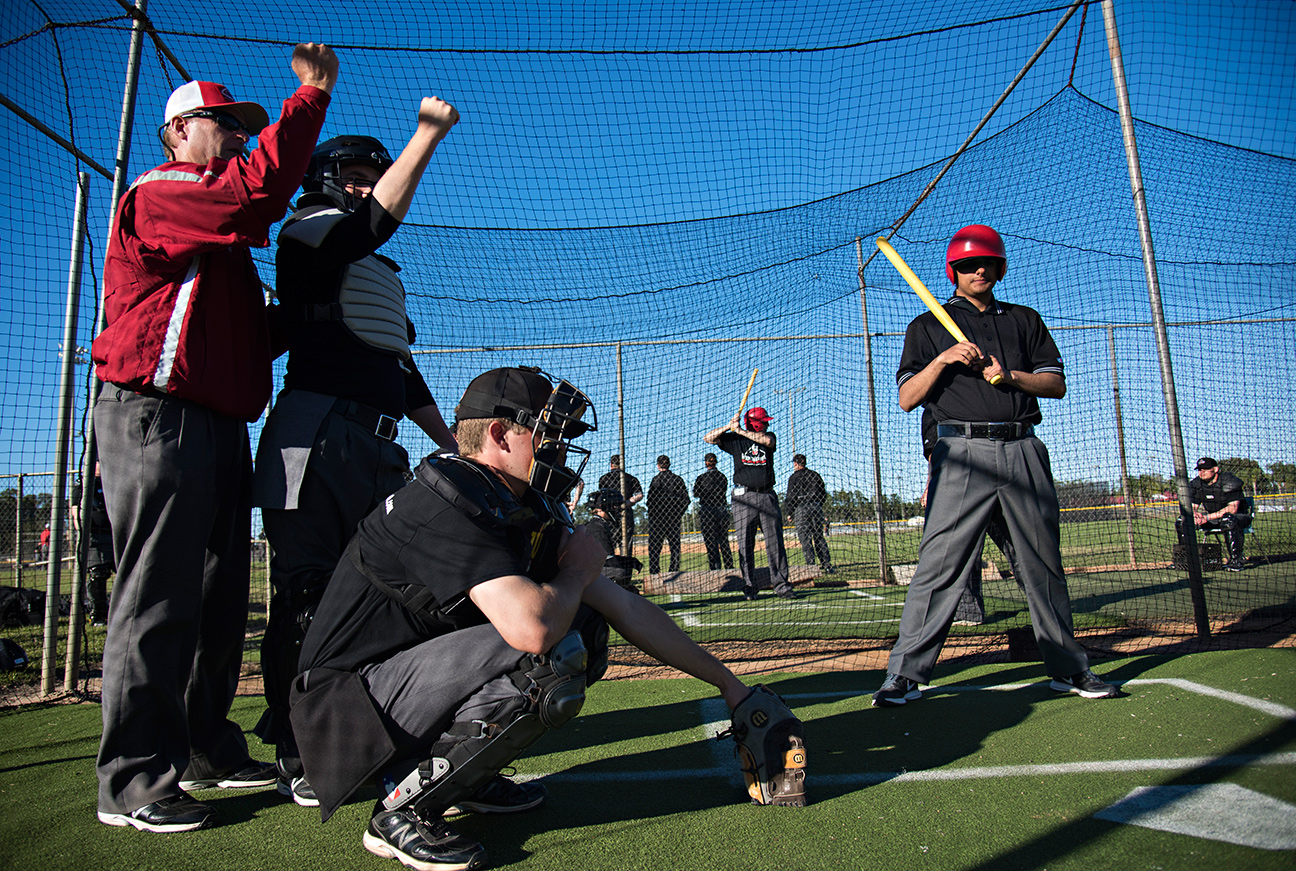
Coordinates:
(466,618)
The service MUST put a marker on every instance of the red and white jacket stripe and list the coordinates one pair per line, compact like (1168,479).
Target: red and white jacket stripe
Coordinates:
(185,311)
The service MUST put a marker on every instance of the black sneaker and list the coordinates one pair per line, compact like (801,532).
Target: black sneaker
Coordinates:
(247,776)
(896,690)
(1234,565)
(789,593)
(180,813)
(749,593)
(1086,684)
(499,795)
(426,845)
(298,789)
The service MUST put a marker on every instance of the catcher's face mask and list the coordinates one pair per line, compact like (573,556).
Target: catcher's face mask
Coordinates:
(567,414)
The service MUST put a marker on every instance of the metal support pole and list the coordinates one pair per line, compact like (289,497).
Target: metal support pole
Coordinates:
(1120,446)
(1196,591)
(18,542)
(627,546)
(883,572)
(789,392)
(54,564)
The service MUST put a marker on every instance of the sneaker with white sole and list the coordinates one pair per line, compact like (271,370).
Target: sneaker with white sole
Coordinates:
(249,775)
(1086,684)
(499,795)
(425,845)
(896,690)
(179,813)
(298,789)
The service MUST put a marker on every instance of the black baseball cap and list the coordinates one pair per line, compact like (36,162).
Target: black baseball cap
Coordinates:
(517,393)
(1206,463)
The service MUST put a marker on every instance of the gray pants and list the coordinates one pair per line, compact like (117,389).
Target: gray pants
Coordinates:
(349,472)
(421,689)
(177,483)
(969,478)
(809,527)
(752,511)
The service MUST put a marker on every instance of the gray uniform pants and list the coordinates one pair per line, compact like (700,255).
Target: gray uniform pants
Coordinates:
(348,473)
(177,483)
(969,478)
(752,511)
(809,527)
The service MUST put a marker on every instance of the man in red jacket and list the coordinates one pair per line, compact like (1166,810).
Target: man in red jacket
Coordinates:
(185,361)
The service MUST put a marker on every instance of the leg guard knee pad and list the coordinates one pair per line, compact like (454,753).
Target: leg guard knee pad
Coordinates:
(543,692)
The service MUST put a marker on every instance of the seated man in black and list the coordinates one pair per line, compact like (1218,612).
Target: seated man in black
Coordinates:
(464,620)
(1219,504)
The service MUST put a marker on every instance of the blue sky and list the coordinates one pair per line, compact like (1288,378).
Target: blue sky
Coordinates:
(778,132)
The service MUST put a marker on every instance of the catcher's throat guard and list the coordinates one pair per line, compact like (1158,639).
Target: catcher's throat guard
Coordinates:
(770,745)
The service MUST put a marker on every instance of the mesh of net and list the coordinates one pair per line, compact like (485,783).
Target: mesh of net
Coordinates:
(652,203)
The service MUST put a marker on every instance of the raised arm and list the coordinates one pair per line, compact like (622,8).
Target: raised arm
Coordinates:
(395,190)
(316,65)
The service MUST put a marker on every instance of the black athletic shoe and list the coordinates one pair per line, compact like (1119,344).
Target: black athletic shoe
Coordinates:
(499,795)
(789,593)
(180,813)
(896,690)
(1086,684)
(249,775)
(1234,565)
(298,789)
(426,845)
(749,593)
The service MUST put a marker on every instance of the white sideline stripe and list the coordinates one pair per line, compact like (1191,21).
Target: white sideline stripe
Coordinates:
(1273,709)
(866,778)
(715,719)
(784,623)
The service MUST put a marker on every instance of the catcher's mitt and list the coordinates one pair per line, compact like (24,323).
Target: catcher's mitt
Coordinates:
(770,749)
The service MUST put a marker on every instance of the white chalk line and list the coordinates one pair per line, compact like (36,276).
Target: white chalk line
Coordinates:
(715,719)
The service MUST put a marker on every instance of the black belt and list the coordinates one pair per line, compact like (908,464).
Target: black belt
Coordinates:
(381,425)
(1003,431)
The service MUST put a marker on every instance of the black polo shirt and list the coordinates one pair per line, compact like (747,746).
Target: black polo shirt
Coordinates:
(1014,334)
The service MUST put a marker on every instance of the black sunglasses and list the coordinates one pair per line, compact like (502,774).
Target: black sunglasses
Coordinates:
(224,119)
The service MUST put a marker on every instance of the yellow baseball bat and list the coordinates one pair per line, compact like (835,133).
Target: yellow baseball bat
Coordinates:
(925,295)
(752,381)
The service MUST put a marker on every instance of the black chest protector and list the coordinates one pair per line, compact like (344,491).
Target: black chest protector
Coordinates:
(533,525)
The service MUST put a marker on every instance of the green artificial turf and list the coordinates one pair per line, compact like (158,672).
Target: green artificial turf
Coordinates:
(948,782)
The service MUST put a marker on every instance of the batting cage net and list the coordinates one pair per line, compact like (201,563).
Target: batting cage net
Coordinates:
(663,205)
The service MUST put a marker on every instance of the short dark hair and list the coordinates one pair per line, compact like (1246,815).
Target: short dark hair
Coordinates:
(663,461)
(799,459)
(615,460)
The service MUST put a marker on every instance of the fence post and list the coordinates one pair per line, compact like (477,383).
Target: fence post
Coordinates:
(1196,591)
(1120,445)
(18,542)
(873,420)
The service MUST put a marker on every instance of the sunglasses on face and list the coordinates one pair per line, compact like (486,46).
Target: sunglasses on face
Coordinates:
(972,264)
(224,119)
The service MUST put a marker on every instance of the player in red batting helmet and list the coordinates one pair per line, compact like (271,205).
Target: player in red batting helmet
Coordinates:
(974,240)
(757,418)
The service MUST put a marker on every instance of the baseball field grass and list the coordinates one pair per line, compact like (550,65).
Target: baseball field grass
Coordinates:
(1193,766)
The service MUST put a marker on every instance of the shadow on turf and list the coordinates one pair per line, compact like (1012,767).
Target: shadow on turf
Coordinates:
(1053,847)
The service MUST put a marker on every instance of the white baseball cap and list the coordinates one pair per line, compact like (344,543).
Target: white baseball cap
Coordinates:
(210,95)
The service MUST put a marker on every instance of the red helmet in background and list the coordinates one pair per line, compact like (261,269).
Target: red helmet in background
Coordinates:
(974,240)
(757,418)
